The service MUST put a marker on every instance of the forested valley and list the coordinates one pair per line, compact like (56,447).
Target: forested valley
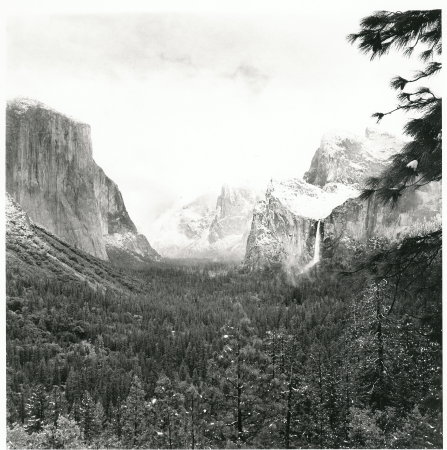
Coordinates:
(214,356)
(327,335)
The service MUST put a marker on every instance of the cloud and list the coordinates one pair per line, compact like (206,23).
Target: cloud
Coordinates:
(183,60)
(250,75)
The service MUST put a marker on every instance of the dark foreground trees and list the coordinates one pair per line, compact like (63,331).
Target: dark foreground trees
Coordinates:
(227,361)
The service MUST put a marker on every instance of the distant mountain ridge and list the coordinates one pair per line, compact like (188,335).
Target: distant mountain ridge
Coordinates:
(51,173)
(210,227)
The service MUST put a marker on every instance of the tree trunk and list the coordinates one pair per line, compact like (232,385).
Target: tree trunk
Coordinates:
(192,424)
(239,400)
(289,412)
(380,362)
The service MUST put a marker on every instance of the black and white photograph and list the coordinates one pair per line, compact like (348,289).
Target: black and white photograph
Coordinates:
(223,224)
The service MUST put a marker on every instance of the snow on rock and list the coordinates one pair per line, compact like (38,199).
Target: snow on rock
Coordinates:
(285,223)
(346,158)
(180,231)
(131,244)
(212,226)
(306,200)
(17,221)
(413,165)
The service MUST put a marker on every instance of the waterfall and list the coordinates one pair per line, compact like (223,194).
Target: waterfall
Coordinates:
(316,257)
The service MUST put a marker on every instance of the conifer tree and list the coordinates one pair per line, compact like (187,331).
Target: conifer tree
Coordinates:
(57,405)
(87,413)
(66,433)
(278,384)
(35,409)
(193,414)
(169,414)
(99,419)
(419,431)
(235,372)
(420,161)
(134,415)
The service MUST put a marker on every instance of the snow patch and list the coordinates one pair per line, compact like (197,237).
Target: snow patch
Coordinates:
(306,200)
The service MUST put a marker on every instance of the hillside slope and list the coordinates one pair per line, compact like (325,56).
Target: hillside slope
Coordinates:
(34,252)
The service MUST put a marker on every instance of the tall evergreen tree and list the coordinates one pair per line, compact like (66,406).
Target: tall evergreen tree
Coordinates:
(236,372)
(57,405)
(35,409)
(420,161)
(88,423)
(134,415)
(169,415)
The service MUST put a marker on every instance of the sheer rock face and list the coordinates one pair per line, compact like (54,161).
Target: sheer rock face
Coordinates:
(349,159)
(51,173)
(233,211)
(34,251)
(361,220)
(278,236)
(284,224)
(208,227)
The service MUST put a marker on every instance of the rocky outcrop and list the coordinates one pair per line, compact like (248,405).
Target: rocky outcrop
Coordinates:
(51,173)
(285,223)
(357,220)
(233,210)
(208,227)
(278,236)
(347,158)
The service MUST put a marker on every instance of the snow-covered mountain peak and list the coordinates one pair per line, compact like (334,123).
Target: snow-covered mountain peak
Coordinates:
(211,226)
(201,204)
(344,157)
(335,141)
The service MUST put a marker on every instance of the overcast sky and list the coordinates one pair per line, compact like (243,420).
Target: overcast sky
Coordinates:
(180,103)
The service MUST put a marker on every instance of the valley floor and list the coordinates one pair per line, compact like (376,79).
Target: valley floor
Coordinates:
(211,356)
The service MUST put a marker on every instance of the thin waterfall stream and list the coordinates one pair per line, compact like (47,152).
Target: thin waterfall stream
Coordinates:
(316,257)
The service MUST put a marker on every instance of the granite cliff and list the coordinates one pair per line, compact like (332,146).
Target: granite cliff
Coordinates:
(284,223)
(33,251)
(51,173)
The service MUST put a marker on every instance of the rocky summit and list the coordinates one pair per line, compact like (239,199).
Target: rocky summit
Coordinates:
(344,157)
(51,174)
(283,230)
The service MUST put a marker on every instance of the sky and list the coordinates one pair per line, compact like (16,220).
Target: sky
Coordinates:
(183,100)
